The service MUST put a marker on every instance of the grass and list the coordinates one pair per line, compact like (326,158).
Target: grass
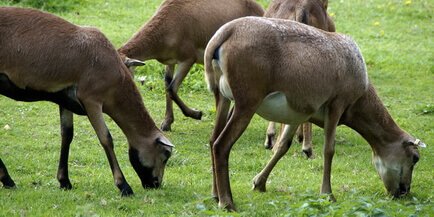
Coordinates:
(395,37)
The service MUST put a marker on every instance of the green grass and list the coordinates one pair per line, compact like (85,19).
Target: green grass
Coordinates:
(48,5)
(396,40)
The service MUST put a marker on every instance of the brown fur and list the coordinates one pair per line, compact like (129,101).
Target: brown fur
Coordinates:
(286,57)
(313,13)
(177,34)
(42,52)
(310,12)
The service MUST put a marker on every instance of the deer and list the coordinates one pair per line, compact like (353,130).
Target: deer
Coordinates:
(266,66)
(313,13)
(46,58)
(177,35)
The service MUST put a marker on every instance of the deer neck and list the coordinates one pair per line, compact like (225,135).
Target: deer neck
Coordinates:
(145,44)
(370,118)
(128,111)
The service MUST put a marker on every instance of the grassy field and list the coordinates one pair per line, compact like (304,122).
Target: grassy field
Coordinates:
(396,38)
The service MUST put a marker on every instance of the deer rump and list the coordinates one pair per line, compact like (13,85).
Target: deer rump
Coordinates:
(38,57)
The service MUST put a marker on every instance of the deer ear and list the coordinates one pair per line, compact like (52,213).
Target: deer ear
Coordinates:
(325,4)
(415,143)
(419,143)
(133,62)
(164,142)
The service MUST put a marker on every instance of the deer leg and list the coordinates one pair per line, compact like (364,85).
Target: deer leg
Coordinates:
(67,131)
(307,140)
(96,118)
(330,123)
(279,134)
(270,135)
(169,118)
(300,134)
(221,148)
(231,111)
(222,105)
(181,71)
(5,178)
(281,148)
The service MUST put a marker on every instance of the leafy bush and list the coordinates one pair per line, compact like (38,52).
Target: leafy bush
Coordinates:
(49,5)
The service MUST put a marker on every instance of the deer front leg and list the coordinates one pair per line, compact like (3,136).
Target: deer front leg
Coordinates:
(182,71)
(307,140)
(221,148)
(169,118)
(269,137)
(67,131)
(282,146)
(5,178)
(96,118)
(330,123)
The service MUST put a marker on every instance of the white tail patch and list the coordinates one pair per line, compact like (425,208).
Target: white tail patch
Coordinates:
(225,89)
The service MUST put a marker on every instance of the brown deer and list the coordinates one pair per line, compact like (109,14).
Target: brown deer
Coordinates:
(313,13)
(310,12)
(177,35)
(266,66)
(43,57)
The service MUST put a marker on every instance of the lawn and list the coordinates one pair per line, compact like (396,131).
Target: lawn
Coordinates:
(396,39)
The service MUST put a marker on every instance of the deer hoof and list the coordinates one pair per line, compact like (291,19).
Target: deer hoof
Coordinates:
(230,207)
(126,191)
(166,126)
(259,184)
(65,185)
(215,198)
(8,183)
(308,153)
(196,114)
(167,123)
(331,198)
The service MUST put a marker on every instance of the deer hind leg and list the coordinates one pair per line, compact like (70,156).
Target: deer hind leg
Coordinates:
(300,134)
(282,146)
(307,140)
(222,105)
(270,135)
(5,178)
(96,118)
(333,115)
(182,71)
(67,131)
(232,131)
(169,118)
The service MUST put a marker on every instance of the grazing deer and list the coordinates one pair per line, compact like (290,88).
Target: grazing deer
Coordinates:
(43,57)
(310,12)
(313,13)
(177,34)
(266,66)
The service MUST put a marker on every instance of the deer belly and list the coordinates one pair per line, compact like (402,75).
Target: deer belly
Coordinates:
(66,97)
(275,107)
